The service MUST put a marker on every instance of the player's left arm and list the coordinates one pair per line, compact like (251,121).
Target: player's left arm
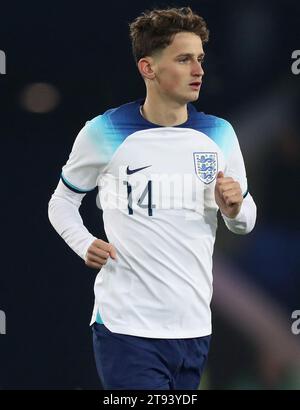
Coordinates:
(236,205)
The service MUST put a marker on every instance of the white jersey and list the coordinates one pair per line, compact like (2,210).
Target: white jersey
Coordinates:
(156,188)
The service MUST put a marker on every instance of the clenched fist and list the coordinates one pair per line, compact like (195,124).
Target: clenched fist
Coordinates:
(98,253)
(228,195)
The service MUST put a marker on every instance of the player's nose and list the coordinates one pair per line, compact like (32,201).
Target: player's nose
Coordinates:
(197,69)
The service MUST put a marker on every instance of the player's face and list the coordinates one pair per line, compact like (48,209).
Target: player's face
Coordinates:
(179,65)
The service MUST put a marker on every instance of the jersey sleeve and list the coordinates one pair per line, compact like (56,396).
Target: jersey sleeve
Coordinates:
(81,172)
(244,222)
(235,166)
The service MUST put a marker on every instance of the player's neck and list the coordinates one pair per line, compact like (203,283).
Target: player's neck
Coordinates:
(164,114)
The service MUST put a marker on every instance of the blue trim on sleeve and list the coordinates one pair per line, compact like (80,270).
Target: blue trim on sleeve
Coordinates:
(98,318)
(73,187)
(245,194)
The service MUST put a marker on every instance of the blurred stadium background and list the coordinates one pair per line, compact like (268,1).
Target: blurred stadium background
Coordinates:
(66,63)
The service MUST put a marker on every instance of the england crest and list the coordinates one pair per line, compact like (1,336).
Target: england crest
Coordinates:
(206,166)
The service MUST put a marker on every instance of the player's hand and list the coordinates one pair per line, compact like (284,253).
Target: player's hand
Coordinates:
(98,253)
(228,195)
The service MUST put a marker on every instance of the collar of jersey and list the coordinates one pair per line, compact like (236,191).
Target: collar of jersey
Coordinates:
(191,112)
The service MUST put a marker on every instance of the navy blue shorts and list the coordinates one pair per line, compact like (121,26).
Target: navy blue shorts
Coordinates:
(142,363)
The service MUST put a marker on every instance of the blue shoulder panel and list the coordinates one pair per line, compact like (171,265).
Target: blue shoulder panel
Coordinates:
(115,125)
(217,129)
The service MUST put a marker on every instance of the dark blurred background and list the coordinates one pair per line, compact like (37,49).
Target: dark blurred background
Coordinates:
(67,63)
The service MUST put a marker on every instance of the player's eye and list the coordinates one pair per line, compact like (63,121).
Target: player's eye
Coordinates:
(200,60)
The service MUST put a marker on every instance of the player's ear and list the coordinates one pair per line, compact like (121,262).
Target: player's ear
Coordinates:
(146,69)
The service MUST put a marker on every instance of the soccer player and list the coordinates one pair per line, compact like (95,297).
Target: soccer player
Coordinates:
(163,171)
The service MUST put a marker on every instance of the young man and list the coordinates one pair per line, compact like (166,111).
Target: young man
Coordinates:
(163,171)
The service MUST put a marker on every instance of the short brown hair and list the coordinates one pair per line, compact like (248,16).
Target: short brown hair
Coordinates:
(155,29)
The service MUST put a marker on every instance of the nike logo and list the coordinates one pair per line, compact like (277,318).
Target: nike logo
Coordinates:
(132,171)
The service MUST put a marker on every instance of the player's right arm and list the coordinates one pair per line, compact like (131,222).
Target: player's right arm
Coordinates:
(79,177)
(98,253)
